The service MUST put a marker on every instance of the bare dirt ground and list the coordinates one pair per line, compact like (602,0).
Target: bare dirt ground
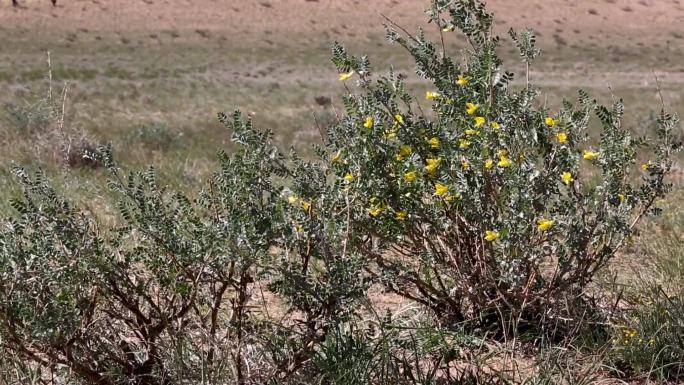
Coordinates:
(653,23)
(620,42)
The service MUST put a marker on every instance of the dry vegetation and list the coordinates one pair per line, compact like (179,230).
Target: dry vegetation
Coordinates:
(150,77)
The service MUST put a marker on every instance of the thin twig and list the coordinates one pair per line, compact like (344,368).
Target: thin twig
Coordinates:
(401,28)
(660,94)
(49,95)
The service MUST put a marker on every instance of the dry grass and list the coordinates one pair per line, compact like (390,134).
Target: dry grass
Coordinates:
(179,75)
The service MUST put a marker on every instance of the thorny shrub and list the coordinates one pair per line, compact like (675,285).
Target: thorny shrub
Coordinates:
(487,210)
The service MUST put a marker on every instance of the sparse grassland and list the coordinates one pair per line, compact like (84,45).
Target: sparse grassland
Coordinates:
(154,93)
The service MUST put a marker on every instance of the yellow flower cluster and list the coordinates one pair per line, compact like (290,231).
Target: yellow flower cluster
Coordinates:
(432,164)
(562,137)
(567,178)
(471,108)
(431,95)
(491,235)
(441,189)
(434,142)
(404,151)
(368,123)
(544,224)
(346,75)
(590,155)
(376,207)
(462,80)
(296,201)
(504,162)
(336,157)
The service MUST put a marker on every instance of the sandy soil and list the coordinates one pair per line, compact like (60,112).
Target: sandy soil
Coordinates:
(617,22)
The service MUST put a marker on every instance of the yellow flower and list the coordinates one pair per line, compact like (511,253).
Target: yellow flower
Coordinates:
(471,132)
(550,121)
(545,224)
(462,143)
(465,165)
(449,28)
(621,197)
(462,80)
(434,142)
(431,95)
(392,134)
(292,199)
(349,177)
(645,167)
(404,151)
(441,189)
(567,178)
(336,157)
(346,75)
(502,153)
(471,108)
(562,137)
(491,235)
(400,215)
(494,125)
(410,176)
(432,165)
(376,208)
(398,119)
(305,204)
(504,162)
(374,211)
(488,164)
(479,121)
(590,155)
(368,123)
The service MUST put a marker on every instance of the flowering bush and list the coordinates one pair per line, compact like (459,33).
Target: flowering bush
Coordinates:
(476,202)
(483,208)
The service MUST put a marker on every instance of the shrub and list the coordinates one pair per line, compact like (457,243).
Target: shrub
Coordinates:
(489,213)
(42,124)
(487,207)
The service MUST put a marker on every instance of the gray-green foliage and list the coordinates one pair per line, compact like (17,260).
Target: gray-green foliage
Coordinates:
(486,204)
(476,210)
